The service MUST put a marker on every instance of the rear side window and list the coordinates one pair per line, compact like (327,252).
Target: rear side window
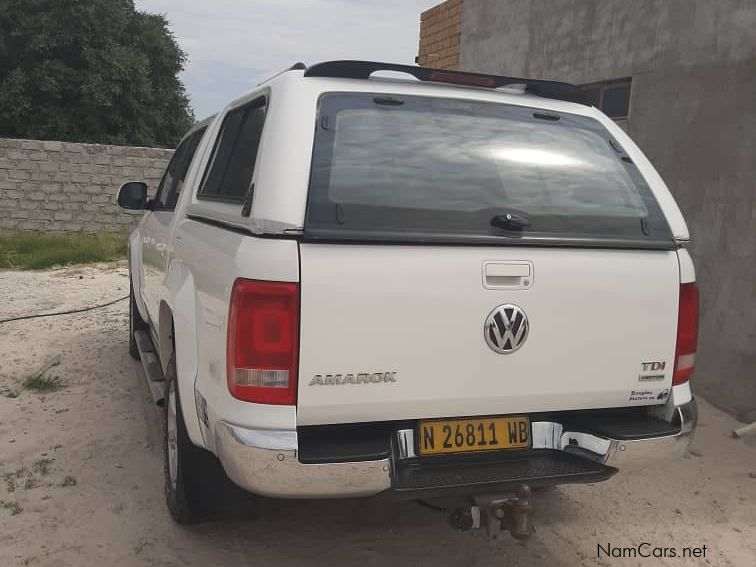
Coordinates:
(229,175)
(416,169)
(173,180)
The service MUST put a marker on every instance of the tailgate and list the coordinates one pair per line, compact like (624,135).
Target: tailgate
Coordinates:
(399,332)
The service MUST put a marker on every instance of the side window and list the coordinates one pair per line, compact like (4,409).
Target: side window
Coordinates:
(173,180)
(167,181)
(232,166)
(183,168)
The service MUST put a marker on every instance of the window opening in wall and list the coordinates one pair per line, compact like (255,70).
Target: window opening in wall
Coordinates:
(611,97)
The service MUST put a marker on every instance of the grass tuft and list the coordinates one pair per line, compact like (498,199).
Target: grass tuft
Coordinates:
(69,481)
(44,383)
(10,482)
(41,466)
(36,251)
(13,507)
(11,479)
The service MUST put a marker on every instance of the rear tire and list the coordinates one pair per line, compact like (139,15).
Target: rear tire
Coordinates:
(184,462)
(136,323)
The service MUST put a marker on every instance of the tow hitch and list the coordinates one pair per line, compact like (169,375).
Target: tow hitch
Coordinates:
(497,513)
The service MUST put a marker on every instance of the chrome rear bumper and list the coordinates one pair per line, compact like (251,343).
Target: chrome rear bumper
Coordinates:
(265,462)
(621,454)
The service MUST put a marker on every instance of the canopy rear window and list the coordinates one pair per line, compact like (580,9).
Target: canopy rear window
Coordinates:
(422,169)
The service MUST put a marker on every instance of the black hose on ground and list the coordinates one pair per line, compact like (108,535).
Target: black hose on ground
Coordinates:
(68,312)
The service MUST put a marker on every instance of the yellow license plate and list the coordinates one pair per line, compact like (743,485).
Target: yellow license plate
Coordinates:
(464,435)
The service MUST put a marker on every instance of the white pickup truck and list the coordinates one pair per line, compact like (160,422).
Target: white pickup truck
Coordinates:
(366,277)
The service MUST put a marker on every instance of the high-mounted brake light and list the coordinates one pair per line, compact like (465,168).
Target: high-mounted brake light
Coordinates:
(687,334)
(461,79)
(263,342)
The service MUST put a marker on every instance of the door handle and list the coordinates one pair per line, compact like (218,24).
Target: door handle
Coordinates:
(507,275)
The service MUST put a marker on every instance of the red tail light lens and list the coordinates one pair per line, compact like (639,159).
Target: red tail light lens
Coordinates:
(687,334)
(263,342)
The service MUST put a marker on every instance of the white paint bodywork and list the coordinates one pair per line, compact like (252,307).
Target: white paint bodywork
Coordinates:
(419,311)
(595,314)
(687,270)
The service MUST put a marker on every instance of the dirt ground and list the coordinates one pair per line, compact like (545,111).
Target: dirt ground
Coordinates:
(81,474)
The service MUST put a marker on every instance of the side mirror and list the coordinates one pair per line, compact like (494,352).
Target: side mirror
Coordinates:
(133,195)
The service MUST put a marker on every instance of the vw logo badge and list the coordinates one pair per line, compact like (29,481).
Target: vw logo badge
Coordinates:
(506,328)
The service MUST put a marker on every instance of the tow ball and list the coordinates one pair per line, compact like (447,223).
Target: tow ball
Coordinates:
(497,513)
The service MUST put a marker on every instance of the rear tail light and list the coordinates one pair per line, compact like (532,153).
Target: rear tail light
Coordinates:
(263,342)
(687,334)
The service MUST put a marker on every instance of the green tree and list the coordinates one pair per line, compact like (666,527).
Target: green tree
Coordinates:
(90,71)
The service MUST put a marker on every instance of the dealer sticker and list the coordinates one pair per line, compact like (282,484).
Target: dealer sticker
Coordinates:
(648,395)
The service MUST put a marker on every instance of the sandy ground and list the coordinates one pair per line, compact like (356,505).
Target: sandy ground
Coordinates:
(81,478)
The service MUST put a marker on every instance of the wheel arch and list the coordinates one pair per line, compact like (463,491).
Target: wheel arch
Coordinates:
(178,335)
(134,258)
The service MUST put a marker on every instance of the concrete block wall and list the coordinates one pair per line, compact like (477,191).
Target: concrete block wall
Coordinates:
(693,69)
(440,29)
(61,186)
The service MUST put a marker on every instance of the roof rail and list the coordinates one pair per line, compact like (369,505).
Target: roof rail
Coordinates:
(296,67)
(363,70)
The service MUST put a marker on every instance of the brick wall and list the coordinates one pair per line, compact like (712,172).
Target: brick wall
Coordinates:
(440,29)
(63,186)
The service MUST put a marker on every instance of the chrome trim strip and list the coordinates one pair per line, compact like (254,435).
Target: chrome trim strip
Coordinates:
(688,416)
(406,439)
(546,434)
(269,226)
(265,439)
(574,440)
